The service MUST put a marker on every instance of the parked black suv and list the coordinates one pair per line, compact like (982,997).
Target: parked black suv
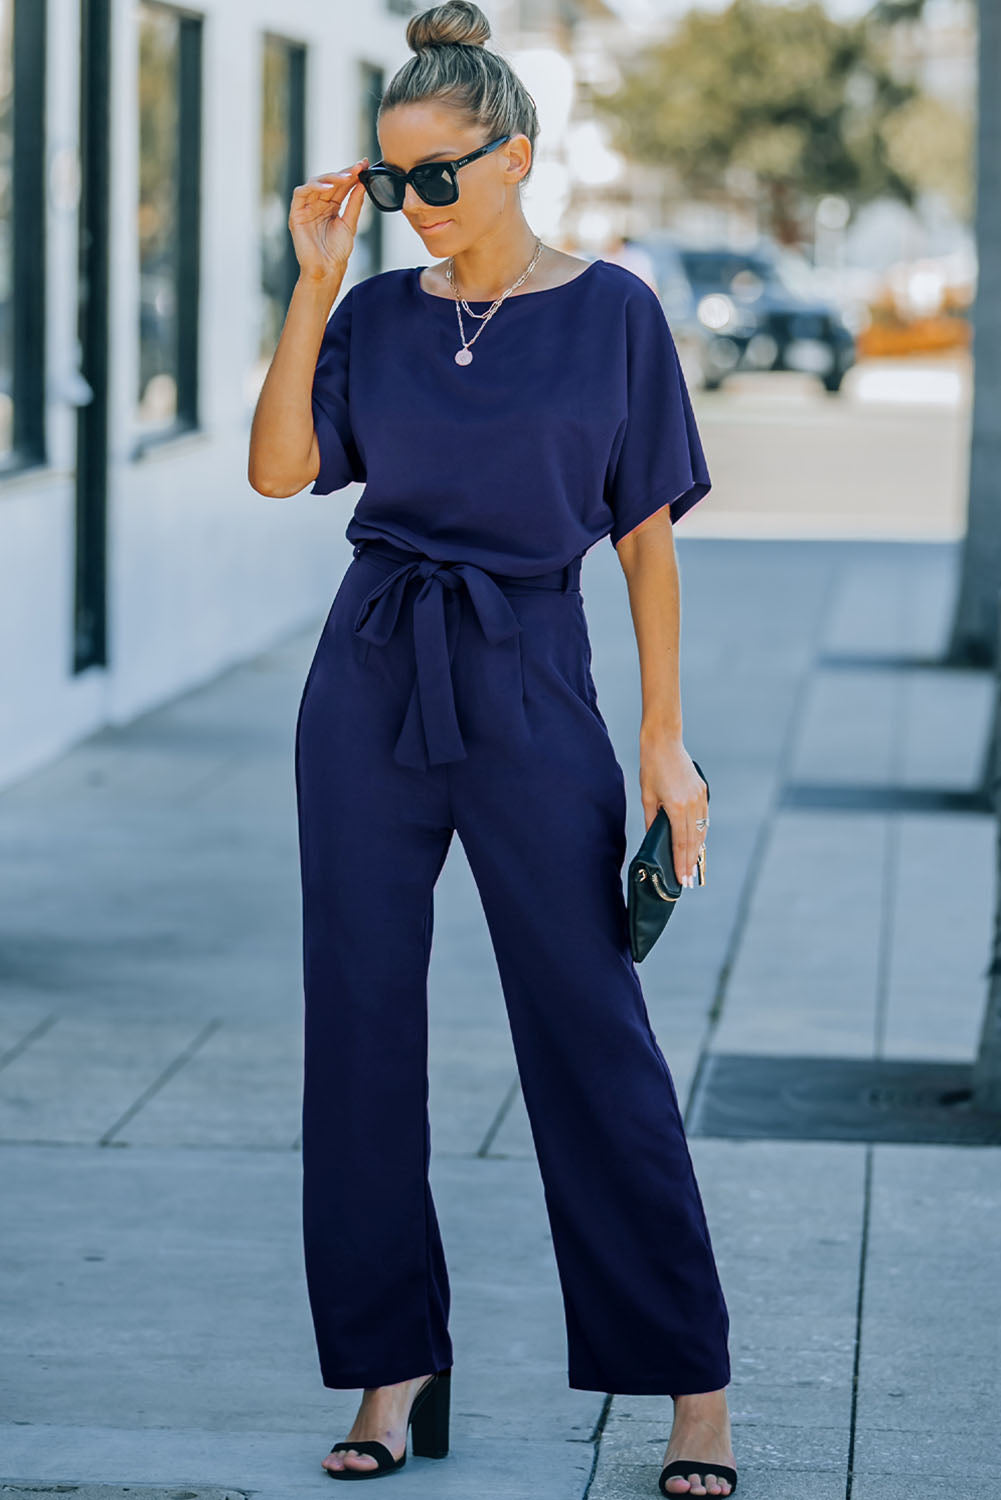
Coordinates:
(747,313)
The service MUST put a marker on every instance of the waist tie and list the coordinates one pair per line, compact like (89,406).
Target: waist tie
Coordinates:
(430,732)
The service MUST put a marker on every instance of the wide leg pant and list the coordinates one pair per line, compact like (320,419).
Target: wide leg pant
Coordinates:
(509,750)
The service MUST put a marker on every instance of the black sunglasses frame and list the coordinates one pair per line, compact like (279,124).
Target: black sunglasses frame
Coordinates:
(416,175)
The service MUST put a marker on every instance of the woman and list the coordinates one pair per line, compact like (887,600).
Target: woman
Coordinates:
(507,407)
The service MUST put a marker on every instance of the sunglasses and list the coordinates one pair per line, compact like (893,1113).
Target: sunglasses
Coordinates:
(434,181)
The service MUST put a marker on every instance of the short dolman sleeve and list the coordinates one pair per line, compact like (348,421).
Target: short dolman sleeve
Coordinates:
(340,460)
(657,456)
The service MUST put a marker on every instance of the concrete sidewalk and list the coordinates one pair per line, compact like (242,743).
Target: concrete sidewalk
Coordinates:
(156,1327)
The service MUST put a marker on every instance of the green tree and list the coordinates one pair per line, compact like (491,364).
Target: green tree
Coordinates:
(799,103)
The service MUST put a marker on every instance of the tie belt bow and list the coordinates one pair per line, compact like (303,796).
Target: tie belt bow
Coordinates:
(430,733)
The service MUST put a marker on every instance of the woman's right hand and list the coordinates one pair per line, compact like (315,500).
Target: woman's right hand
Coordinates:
(323,236)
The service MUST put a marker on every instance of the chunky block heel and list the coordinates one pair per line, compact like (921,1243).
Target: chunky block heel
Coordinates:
(429,1417)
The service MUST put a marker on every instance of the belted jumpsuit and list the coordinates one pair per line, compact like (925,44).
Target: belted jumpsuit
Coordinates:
(451,693)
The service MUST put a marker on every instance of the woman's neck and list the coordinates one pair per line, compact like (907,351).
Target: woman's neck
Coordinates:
(485,272)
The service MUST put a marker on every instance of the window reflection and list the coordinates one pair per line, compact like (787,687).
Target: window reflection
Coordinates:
(282,168)
(159,98)
(274,172)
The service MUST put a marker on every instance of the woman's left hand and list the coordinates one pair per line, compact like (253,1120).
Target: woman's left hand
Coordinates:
(668,779)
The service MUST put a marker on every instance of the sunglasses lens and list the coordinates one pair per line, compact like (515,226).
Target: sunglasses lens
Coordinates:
(434,184)
(386,190)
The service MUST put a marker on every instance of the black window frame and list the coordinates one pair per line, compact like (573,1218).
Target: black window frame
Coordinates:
(297,53)
(28,448)
(371,239)
(191,53)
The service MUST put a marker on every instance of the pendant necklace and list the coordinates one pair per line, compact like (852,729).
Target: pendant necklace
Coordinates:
(464,355)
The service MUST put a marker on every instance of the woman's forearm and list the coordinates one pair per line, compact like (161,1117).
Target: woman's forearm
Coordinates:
(649,562)
(284,454)
(668,776)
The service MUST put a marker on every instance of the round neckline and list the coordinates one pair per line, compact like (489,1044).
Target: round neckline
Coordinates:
(542,291)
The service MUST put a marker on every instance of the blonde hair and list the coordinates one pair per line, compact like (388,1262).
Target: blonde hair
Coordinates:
(453,65)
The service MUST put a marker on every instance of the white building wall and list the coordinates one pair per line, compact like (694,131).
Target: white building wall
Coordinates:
(203,571)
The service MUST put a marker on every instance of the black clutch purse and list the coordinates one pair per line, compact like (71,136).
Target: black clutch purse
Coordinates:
(652,888)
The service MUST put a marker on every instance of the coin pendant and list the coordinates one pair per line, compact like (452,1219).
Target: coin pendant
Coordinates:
(463,356)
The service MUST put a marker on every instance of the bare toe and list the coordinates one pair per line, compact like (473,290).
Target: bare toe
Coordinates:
(358,1460)
(349,1458)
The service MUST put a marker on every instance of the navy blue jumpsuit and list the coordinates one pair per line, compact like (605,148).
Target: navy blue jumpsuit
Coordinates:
(451,691)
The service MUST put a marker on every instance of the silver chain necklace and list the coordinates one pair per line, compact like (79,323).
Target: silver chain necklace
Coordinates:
(464,355)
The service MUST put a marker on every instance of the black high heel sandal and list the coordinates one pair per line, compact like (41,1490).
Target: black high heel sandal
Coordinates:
(680,1468)
(427,1424)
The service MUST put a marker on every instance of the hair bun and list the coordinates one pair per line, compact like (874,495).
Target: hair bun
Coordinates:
(456,23)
